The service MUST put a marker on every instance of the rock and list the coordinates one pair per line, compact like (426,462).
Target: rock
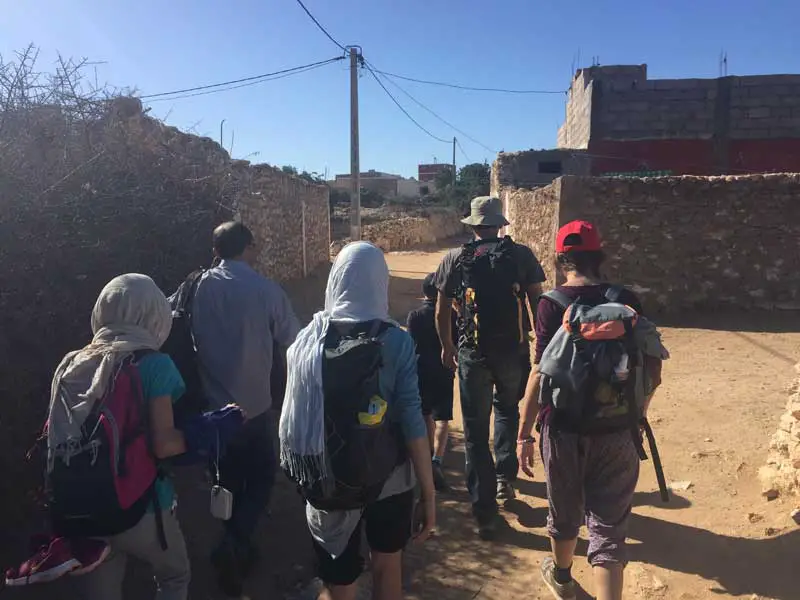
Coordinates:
(709,440)
(681,486)
(772,531)
(795,514)
(755,517)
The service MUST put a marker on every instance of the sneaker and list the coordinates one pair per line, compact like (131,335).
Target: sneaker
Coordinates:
(562,591)
(89,553)
(439,480)
(505,491)
(51,561)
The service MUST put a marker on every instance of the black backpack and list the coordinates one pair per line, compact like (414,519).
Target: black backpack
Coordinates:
(180,347)
(364,446)
(490,296)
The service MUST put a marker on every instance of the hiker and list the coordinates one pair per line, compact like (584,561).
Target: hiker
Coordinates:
(589,436)
(111,407)
(490,279)
(352,435)
(435,380)
(237,317)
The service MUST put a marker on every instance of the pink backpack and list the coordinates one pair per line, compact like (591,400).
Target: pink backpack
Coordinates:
(104,486)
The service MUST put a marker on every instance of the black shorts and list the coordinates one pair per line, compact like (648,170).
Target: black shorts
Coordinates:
(388,524)
(437,395)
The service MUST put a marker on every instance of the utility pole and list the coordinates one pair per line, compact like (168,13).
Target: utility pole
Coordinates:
(355,167)
(454,161)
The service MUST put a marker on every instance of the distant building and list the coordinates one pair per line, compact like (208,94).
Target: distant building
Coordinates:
(385,184)
(537,168)
(427,174)
(629,124)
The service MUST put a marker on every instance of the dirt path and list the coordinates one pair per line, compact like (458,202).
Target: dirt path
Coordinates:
(721,400)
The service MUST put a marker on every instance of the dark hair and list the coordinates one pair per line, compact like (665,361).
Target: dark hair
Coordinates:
(231,240)
(429,286)
(585,262)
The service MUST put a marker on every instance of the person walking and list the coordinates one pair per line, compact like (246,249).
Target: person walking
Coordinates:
(591,463)
(435,380)
(238,316)
(490,279)
(352,434)
(112,400)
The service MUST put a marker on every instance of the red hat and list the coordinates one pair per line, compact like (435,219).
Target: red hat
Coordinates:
(579,236)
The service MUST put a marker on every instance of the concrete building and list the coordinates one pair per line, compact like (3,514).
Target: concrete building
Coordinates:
(627,123)
(385,184)
(536,168)
(427,174)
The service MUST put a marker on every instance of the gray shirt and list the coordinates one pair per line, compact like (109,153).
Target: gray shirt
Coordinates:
(236,316)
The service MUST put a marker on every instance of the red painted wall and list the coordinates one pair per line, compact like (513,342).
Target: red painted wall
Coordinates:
(760,156)
(694,157)
(682,157)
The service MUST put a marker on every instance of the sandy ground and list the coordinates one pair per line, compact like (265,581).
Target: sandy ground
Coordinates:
(721,400)
(723,392)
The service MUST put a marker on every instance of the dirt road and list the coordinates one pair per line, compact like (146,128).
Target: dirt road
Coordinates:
(721,400)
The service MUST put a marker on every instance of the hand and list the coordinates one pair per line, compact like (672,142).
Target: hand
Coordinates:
(449,358)
(525,456)
(424,519)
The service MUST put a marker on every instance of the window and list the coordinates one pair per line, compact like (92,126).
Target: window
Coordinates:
(552,167)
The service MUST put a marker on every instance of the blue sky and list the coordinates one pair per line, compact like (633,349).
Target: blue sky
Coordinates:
(159,46)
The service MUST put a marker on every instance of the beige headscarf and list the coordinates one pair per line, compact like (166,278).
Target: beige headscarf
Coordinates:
(130,314)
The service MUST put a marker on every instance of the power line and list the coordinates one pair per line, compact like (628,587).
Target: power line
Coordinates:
(319,25)
(467,87)
(443,120)
(469,160)
(244,81)
(400,106)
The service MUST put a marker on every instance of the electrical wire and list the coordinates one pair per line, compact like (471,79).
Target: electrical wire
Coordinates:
(400,106)
(229,85)
(319,25)
(467,87)
(469,160)
(442,119)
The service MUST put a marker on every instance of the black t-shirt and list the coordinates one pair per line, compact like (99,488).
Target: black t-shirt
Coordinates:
(447,276)
(421,325)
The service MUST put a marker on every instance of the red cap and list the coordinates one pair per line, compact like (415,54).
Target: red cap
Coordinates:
(579,236)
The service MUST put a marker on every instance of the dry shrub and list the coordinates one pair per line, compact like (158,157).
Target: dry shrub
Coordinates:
(90,187)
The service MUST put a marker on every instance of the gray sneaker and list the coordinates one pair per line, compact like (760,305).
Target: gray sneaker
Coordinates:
(562,591)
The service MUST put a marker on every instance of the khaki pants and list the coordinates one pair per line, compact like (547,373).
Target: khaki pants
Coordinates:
(170,567)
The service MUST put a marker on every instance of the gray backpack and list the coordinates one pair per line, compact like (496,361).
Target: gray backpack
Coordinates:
(592,370)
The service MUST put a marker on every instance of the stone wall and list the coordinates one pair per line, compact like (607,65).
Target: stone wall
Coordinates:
(290,219)
(533,214)
(400,231)
(781,475)
(679,242)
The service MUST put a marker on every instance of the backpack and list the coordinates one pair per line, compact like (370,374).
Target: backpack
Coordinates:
(489,296)
(104,487)
(591,370)
(181,349)
(363,445)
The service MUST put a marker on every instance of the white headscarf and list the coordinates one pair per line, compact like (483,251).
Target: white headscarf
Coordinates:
(130,314)
(357,291)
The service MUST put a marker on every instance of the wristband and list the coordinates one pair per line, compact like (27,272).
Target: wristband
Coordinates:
(526,440)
